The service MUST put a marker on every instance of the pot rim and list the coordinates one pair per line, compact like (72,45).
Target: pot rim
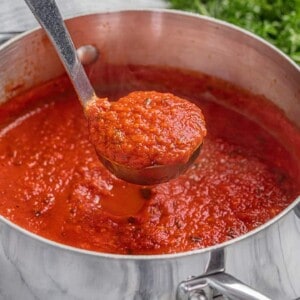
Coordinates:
(135,257)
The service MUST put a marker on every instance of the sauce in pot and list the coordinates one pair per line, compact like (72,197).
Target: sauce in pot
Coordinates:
(52,183)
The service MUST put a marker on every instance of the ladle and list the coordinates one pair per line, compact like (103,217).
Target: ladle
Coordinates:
(48,15)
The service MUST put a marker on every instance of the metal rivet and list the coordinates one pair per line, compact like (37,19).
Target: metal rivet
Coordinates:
(87,54)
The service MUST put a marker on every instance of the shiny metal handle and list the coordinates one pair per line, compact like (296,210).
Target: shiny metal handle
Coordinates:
(47,14)
(207,286)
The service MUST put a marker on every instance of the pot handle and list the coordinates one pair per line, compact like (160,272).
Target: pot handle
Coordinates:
(208,286)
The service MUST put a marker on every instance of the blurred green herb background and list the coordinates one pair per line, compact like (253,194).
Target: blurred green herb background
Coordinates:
(277,21)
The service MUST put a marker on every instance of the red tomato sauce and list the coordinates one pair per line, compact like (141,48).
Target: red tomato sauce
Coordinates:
(146,128)
(52,183)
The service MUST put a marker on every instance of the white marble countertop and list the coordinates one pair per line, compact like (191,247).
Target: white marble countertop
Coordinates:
(16,17)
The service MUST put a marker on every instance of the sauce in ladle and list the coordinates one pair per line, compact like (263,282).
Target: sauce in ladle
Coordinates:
(146,129)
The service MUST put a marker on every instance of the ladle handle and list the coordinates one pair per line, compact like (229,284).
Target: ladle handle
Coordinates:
(47,14)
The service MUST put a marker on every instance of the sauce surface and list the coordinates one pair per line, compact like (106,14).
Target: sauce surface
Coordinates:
(52,183)
(145,129)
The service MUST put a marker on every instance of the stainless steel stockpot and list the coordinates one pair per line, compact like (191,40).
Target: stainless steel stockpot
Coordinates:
(266,259)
